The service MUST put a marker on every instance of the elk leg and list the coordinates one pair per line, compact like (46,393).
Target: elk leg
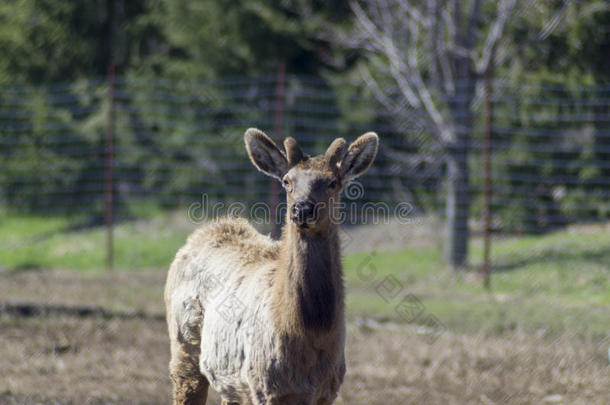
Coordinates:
(190,387)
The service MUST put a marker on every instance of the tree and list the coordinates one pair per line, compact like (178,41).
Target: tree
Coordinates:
(206,40)
(558,52)
(43,41)
(432,54)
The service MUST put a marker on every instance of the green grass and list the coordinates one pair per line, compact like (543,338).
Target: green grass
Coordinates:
(36,242)
(554,282)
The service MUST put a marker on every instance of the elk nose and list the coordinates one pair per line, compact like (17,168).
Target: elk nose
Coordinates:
(302,210)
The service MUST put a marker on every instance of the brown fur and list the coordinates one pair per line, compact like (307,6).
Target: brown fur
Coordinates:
(335,152)
(238,237)
(302,274)
(294,154)
(308,289)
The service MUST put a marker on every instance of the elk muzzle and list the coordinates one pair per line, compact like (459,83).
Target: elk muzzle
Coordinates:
(303,213)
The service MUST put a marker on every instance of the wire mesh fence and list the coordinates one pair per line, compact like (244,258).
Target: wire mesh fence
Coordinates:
(174,142)
(160,146)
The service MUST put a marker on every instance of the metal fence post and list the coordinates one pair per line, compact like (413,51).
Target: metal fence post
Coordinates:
(487,179)
(278,118)
(108,177)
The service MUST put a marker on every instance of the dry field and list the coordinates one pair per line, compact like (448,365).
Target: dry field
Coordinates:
(67,359)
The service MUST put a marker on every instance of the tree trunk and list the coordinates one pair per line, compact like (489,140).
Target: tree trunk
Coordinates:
(457,208)
(458,182)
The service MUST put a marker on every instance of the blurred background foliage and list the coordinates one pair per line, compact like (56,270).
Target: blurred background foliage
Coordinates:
(177,58)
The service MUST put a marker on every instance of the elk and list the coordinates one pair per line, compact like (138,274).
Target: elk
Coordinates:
(259,320)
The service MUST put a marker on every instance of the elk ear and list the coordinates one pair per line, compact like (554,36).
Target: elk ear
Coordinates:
(360,156)
(264,154)
(335,152)
(293,151)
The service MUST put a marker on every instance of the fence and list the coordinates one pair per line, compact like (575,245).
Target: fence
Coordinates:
(153,143)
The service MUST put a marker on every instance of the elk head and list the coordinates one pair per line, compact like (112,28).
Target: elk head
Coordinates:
(313,184)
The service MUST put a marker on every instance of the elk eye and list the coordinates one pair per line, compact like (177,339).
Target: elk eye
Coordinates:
(332,184)
(285,183)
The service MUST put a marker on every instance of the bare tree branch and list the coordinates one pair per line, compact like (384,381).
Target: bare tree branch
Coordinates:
(386,16)
(474,15)
(385,44)
(444,131)
(442,53)
(411,12)
(400,74)
(553,24)
(495,33)
(435,34)
(407,76)
(379,94)
(365,22)
(426,46)
(550,26)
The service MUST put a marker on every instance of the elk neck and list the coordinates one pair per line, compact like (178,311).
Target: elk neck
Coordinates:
(309,290)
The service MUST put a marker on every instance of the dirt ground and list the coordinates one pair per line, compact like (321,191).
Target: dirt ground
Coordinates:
(67,359)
